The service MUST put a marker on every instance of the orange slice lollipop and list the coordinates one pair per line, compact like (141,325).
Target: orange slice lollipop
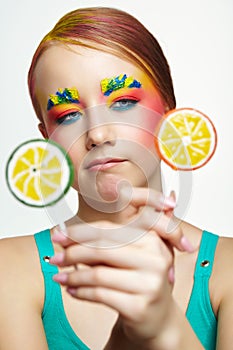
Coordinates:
(186,139)
(39,172)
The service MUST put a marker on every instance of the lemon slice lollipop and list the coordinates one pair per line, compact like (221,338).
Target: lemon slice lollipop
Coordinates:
(186,139)
(39,172)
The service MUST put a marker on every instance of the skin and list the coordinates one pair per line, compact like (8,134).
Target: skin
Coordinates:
(77,140)
(132,298)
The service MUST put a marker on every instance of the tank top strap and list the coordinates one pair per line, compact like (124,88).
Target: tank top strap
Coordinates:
(205,259)
(45,249)
(59,333)
(199,311)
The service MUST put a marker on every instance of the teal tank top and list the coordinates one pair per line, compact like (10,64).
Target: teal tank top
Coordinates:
(199,312)
(59,333)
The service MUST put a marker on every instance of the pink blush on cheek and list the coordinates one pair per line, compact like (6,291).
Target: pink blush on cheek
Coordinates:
(150,96)
(152,117)
(149,122)
(155,103)
(146,139)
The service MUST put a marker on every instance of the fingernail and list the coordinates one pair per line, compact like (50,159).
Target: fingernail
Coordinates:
(58,236)
(60,277)
(186,245)
(171,275)
(72,291)
(169,201)
(173,195)
(57,259)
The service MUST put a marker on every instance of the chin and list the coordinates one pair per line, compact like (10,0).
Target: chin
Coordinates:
(108,187)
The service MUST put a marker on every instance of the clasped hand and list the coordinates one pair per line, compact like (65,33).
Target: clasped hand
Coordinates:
(127,267)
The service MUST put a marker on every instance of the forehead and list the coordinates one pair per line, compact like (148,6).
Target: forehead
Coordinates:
(61,67)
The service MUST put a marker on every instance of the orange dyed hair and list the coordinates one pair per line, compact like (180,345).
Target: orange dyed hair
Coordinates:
(113,31)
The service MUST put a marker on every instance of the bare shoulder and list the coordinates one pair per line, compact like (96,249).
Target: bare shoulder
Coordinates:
(224,260)
(224,255)
(17,249)
(20,267)
(21,295)
(221,281)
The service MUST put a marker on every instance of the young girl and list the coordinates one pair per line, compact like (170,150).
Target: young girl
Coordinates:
(135,276)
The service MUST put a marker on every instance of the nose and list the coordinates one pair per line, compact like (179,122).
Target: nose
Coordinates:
(100,135)
(100,131)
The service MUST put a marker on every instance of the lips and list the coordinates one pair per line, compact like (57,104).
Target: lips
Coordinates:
(104,163)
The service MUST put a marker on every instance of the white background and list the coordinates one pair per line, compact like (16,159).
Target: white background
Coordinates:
(196,37)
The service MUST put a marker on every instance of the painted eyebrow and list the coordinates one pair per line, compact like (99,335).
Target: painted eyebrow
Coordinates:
(62,96)
(108,85)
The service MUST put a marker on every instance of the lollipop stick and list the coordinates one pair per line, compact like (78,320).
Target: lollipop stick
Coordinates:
(62,227)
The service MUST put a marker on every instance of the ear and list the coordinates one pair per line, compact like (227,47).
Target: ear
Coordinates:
(43,130)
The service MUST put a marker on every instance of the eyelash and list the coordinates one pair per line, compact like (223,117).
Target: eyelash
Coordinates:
(120,105)
(69,118)
(130,103)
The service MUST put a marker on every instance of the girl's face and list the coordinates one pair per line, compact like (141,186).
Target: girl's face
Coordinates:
(104,112)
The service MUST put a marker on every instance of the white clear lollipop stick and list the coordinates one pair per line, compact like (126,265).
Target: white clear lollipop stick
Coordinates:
(62,227)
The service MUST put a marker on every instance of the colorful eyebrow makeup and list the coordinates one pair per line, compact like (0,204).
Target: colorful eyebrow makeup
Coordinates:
(109,85)
(62,96)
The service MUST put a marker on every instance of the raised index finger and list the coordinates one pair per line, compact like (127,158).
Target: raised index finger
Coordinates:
(140,196)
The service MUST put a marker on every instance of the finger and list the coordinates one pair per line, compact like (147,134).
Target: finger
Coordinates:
(126,304)
(168,228)
(123,257)
(145,196)
(173,195)
(82,233)
(100,234)
(171,275)
(102,230)
(170,212)
(130,281)
(61,237)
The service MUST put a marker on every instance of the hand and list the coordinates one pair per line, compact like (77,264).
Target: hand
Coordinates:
(151,210)
(132,278)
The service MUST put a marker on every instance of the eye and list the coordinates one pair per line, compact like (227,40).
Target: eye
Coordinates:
(124,104)
(69,118)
